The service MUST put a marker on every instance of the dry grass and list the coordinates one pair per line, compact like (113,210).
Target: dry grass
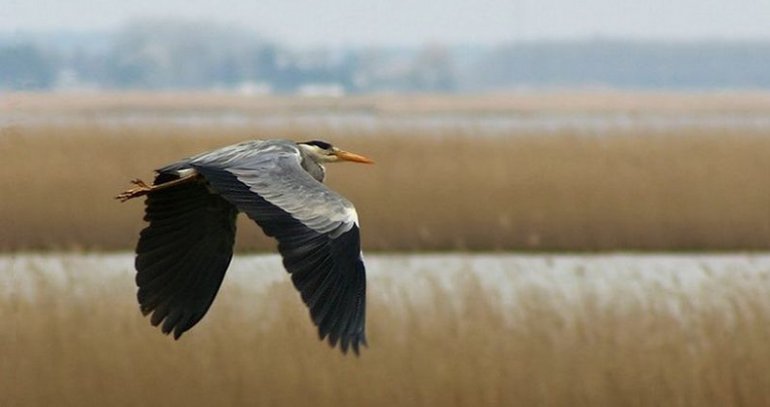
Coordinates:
(83,342)
(675,190)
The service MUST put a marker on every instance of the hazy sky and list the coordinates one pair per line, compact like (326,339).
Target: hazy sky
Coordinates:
(408,22)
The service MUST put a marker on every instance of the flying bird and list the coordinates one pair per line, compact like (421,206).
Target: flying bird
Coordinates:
(191,207)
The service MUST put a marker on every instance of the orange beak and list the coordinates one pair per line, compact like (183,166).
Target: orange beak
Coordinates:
(348,156)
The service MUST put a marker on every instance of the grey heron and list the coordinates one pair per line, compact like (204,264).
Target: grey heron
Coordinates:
(191,207)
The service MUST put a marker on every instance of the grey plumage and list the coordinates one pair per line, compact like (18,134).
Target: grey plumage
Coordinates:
(183,254)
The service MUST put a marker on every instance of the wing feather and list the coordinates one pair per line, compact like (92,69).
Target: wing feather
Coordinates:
(316,229)
(183,253)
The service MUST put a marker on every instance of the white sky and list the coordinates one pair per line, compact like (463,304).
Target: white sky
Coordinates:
(411,22)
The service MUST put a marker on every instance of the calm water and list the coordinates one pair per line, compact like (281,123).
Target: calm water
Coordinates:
(363,122)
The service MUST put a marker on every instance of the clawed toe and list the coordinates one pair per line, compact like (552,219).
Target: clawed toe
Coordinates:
(141,189)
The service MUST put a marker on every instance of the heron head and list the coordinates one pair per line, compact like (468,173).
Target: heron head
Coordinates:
(323,152)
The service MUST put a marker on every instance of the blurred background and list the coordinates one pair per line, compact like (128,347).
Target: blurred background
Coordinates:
(353,47)
(570,206)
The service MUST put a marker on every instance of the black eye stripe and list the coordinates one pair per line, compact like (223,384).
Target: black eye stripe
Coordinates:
(320,144)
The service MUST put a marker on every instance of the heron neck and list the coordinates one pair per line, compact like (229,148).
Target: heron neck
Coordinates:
(315,169)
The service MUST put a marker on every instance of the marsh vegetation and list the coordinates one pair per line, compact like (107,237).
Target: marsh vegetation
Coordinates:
(458,328)
(446,330)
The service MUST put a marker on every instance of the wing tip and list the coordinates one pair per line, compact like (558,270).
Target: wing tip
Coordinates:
(168,326)
(354,342)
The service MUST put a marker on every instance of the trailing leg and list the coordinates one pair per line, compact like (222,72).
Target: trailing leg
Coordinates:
(142,188)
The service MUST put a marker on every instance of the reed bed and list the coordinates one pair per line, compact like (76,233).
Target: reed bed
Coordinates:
(704,189)
(77,338)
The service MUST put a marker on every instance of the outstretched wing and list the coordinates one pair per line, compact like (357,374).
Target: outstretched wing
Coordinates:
(316,229)
(182,256)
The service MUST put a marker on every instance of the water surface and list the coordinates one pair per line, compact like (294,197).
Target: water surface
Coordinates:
(364,122)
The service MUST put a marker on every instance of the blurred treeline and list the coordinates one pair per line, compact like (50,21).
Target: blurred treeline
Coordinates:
(172,54)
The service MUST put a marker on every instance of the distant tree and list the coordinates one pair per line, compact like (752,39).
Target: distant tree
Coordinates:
(183,54)
(626,64)
(25,67)
(432,70)
(180,54)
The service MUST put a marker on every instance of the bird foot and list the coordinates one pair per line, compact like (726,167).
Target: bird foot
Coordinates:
(141,189)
